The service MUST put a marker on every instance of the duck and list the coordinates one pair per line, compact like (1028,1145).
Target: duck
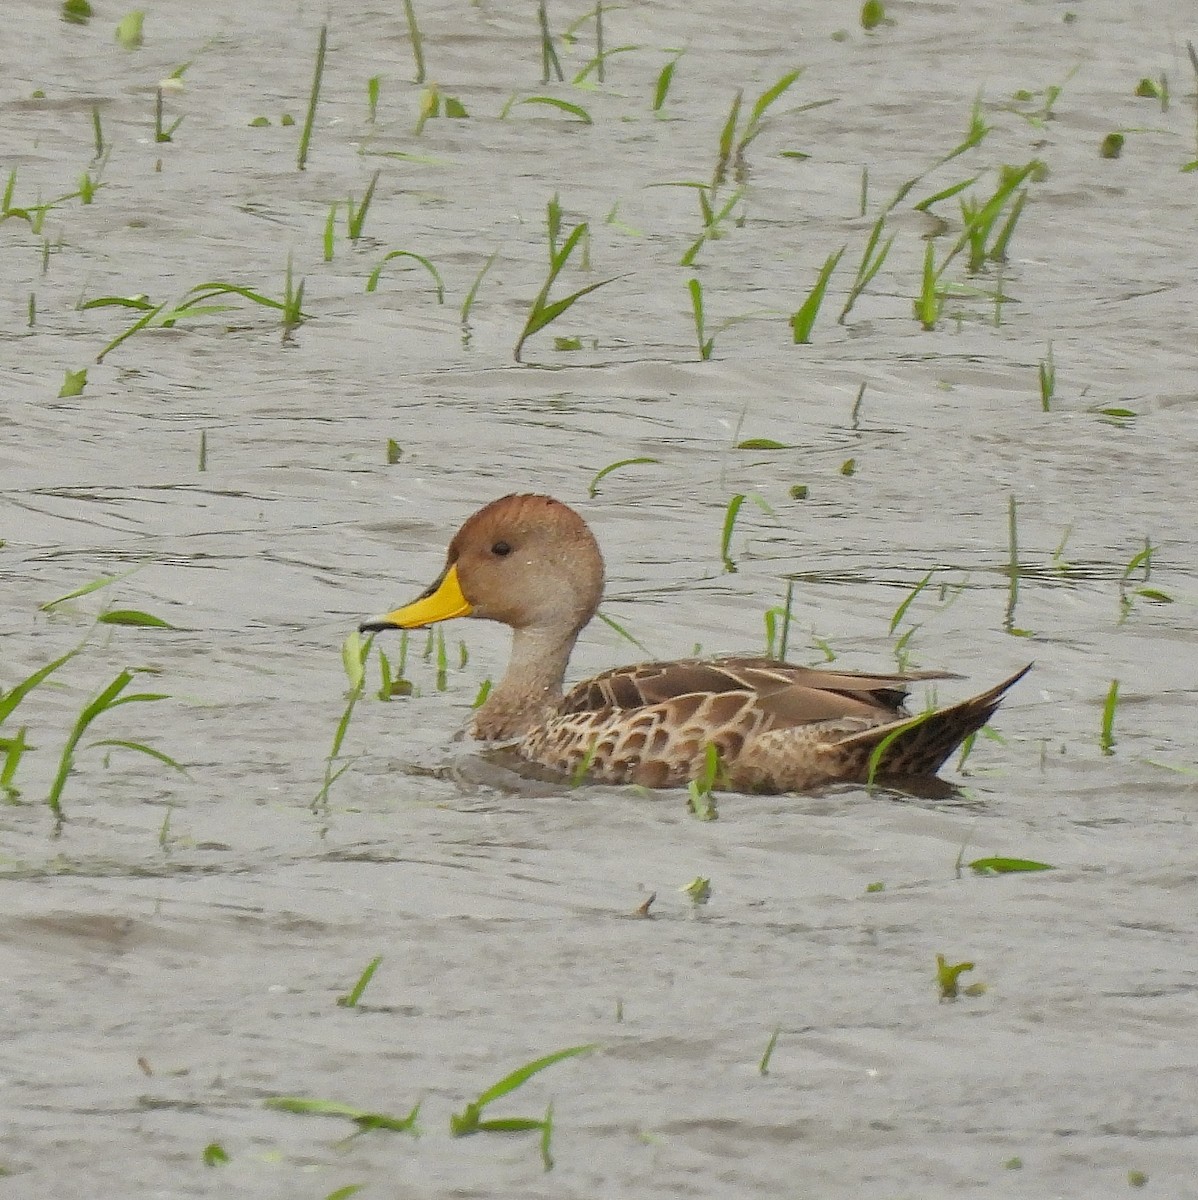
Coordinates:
(531,562)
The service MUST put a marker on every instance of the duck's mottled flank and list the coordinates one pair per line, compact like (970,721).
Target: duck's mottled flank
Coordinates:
(532,563)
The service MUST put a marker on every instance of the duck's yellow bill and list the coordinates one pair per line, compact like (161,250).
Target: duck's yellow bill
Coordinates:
(442,602)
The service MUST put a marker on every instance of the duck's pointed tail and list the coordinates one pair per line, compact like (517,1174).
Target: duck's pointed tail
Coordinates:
(918,746)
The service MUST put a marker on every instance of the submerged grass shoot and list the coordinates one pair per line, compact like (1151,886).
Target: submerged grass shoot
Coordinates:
(1048,380)
(1013,570)
(763,1067)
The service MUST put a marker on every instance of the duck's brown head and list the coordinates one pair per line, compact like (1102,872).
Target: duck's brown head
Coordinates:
(527,561)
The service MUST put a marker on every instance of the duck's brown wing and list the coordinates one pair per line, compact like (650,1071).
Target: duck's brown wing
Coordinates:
(788,694)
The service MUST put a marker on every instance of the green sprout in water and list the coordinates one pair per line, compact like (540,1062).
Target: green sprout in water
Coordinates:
(355,214)
(470,1120)
(701,791)
(549,60)
(365,1120)
(351,998)
(161,132)
(13,748)
(803,321)
(873,14)
(301,159)
(1007,866)
(665,77)
(129,30)
(372,282)
(416,40)
(705,343)
(604,472)
(871,263)
(1142,562)
(1014,570)
(1048,380)
(1111,146)
(109,698)
(1107,736)
(354,653)
(948,979)
(435,103)
(763,1067)
(543,312)
(73,384)
(777,626)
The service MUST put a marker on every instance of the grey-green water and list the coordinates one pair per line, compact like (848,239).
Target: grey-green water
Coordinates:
(165,977)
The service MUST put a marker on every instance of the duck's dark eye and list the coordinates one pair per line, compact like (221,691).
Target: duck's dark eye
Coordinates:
(501,548)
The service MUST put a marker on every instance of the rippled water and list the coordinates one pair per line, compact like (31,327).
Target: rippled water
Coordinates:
(174,953)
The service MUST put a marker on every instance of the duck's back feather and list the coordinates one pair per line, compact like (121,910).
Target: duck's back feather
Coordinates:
(788,694)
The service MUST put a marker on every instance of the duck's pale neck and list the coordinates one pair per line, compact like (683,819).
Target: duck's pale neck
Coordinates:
(531,686)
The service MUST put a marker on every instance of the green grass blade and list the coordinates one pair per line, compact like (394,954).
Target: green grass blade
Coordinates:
(373,282)
(314,96)
(416,39)
(547,1139)
(351,998)
(574,110)
(1005,866)
(901,611)
(547,313)
(664,79)
(802,322)
(727,136)
(10,699)
(468,303)
(141,747)
(879,751)
(136,327)
(763,1067)
(593,486)
(616,627)
(95,585)
(520,1076)
(730,514)
(925,204)
(1107,737)
(109,697)
(132,616)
